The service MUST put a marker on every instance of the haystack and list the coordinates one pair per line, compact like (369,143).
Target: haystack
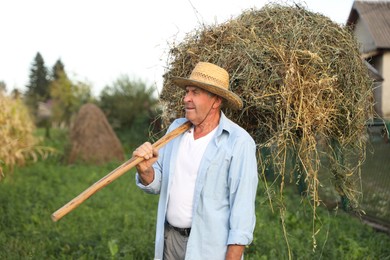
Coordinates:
(306,92)
(93,139)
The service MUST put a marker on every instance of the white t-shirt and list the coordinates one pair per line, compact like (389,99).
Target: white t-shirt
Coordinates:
(180,201)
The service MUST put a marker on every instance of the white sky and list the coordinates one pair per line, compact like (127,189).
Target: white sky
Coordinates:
(99,40)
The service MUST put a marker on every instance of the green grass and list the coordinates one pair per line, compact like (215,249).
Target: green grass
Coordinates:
(118,215)
(118,222)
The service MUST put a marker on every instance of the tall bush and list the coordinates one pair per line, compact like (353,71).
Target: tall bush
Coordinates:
(130,107)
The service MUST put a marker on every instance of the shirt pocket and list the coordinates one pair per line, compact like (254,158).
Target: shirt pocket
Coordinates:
(216,185)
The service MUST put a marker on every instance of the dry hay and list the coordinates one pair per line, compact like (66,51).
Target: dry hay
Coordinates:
(93,139)
(18,144)
(303,84)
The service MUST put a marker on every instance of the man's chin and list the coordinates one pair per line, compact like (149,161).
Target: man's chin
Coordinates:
(189,117)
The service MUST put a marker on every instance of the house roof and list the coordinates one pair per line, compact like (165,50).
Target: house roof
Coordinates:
(373,72)
(376,16)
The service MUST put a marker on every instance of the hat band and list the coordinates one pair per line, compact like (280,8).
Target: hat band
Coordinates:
(199,76)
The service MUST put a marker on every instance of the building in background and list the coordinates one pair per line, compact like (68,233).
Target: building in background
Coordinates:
(370,21)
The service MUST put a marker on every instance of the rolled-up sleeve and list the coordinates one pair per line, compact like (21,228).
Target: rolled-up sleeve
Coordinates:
(153,187)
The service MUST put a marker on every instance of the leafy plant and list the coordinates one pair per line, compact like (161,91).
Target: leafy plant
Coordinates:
(128,103)
(18,143)
(113,246)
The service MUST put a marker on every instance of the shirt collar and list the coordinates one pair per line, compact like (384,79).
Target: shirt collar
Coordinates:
(224,125)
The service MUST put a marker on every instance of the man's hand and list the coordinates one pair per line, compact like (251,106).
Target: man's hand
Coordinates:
(144,168)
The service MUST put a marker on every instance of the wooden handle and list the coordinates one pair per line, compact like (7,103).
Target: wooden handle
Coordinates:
(74,203)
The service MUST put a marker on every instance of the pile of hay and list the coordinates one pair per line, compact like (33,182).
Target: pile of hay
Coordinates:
(18,144)
(303,84)
(93,139)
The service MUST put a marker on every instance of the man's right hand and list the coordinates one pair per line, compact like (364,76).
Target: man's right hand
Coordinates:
(144,168)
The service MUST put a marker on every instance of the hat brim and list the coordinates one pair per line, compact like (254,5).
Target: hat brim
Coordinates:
(233,100)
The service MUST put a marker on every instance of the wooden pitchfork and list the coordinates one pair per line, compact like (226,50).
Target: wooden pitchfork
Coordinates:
(74,203)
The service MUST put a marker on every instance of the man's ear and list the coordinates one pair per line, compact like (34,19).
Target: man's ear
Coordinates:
(218,102)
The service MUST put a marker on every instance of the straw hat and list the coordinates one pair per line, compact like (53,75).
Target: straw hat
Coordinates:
(212,78)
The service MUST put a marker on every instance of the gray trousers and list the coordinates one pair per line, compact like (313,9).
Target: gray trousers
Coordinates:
(175,244)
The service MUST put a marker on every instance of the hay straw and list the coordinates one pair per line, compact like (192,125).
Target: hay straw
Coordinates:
(92,138)
(18,145)
(303,84)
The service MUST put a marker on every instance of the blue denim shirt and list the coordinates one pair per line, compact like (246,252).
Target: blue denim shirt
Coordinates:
(225,192)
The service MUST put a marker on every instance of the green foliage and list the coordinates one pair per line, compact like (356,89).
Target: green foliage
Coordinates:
(67,98)
(57,70)
(3,87)
(105,226)
(118,222)
(128,104)
(59,95)
(38,86)
(339,235)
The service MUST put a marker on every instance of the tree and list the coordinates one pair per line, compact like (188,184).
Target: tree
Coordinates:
(3,87)
(45,109)
(38,92)
(15,93)
(67,96)
(38,86)
(58,70)
(128,103)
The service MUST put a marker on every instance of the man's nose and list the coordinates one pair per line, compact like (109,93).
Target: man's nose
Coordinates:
(186,98)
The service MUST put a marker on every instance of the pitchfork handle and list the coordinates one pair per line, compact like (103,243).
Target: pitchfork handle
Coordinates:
(71,205)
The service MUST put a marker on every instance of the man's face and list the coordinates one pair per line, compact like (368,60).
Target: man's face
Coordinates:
(197,104)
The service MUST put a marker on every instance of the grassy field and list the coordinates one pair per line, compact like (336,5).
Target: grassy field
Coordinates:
(118,222)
